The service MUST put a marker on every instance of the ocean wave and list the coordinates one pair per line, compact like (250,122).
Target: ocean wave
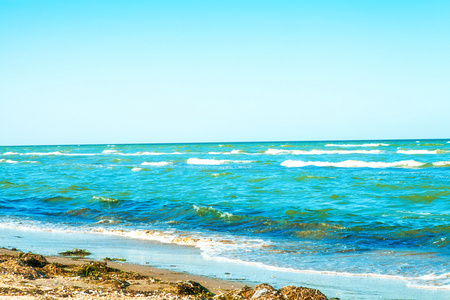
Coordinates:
(9,161)
(157,153)
(105,199)
(208,244)
(421,151)
(10,153)
(214,212)
(156,163)
(115,152)
(442,164)
(136,169)
(353,164)
(319,152)
(357,145)
(229,152)
(56,153)
(200,161)
(109,151)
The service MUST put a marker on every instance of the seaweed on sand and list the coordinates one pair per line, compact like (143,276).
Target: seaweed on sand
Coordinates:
(76,252)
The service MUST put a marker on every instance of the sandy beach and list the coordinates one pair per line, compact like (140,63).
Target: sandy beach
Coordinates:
(33,276)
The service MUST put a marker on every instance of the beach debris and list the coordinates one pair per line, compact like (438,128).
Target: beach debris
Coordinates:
(76,252)
(33,260)
(190,287)
(267,292)
(23,265)
(19,271)
(114,259)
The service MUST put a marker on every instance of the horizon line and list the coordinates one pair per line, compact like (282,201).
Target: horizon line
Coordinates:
(225,142)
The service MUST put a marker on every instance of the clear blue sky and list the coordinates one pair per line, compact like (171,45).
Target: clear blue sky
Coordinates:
(210,71)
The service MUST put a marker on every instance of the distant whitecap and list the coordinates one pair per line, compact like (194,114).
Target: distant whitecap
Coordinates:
(420,151)
(357,145)
(320,152)
(353,164)
(200,161)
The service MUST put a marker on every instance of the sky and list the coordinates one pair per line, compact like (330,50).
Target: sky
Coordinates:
(168,71)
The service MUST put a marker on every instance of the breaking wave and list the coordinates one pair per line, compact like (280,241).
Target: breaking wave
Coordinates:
(421,151)
(230,152)
(354,164)
(201,161)
(9,161)
(357,145)
(319,152)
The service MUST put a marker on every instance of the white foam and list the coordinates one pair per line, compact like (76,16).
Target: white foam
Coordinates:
(201,161)
(353,164)
(357,145)
(292,270)
(156,163)
(230,152)
(421,151)
(159,153)
(9,161)
(320,152)
(57,153)
(442,164)
(225,215)
(148,153)
(136,169)
(42,153)
(10,153)
(109,151)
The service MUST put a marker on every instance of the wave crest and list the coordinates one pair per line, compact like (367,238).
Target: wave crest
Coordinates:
(353,164)
(357,145)
(319,152)
(213,162)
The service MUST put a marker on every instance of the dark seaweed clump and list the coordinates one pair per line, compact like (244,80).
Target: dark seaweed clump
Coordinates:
(76,252)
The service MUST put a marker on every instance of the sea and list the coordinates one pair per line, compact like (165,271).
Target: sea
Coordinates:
(343,209)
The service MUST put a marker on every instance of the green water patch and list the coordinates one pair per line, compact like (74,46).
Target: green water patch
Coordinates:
(73,188)
(57,199)
(385,186)
(437,234)
(419,198)
(76,187)
(257,180)
(310,177)
(309,214)
(317,231)
(4,184)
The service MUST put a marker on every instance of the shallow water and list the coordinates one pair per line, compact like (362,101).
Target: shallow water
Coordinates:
(359,207)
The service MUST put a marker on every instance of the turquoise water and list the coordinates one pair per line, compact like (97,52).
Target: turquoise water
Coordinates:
(361,207)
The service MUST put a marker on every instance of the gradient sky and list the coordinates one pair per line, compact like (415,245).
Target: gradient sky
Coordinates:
(214,71)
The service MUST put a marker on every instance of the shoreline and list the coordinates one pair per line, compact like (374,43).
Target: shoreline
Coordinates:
(32,276)
(190,260)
